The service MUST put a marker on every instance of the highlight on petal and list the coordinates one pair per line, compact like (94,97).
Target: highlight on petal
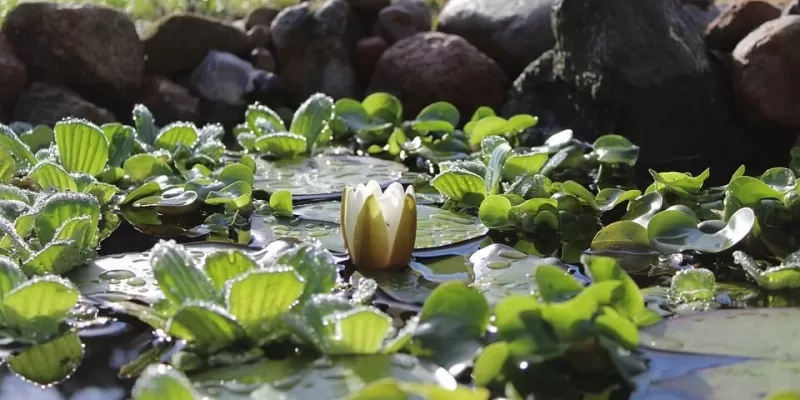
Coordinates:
(370,240)
(391,203)
(403,242)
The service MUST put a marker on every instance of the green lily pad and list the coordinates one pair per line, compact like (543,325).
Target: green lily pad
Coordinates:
(749,380)
(323,177)
(129,275)
(435,227)
(627,242)
(764,333)
(297,378)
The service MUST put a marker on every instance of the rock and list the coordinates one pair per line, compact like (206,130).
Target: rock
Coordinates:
(434,66)
(169,101)
(259,36)
(13,76)
(701,4)
(261,16)
(313,50)
(262,59)
(737,21)
(178,43)
(644,65)
(792,8)
(766,65)
(702,16)
(223,77)
(45,103)
(512,32)
(366,55)
(93,50)
(403,18)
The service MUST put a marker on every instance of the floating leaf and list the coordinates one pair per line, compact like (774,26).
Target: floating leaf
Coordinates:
(384,106)
(690,285)
(38,306)
(520,164)
(281,203)
(146,130)
(312,117)
(10,141)
(360,331)
(143,166)
(205,324)
(258,298)
(628,243)
(120,142)
(175,134)
(238,195)
(50,176)
(281,144)
(38,138)
(221,266)
(162,382)
(234,173)
(82,146)
(61,207)
(673,231)
(51,362)
(458,184)
(259,116)
(177,276)
(615,149)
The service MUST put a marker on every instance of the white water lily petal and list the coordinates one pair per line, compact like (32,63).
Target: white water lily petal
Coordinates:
(391,202)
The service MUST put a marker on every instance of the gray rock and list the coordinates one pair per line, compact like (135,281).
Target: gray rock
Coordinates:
(13,76)
(725,32)
(178,43)
(645,63)
(261,16)
(93,50)
(435,66)
(403,18)
(312,50)
(45,104)
(223,77)
(513,32)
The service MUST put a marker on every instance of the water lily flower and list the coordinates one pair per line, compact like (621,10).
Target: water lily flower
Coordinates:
(379,228)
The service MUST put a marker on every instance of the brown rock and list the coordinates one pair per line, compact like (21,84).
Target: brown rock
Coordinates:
(45,103)
(93,50)
(178,43)
(766,65)
(402,19)
(262,59)
(261,16)
(169,101)
(435,66)
(725,32)
(13,76)
(366,55)
(259,36)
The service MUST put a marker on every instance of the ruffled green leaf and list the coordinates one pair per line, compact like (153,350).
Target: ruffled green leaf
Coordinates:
(281,203)
(146,129)
(673,231)
(458,183)
(120,142)
(10,141)
(37,307)
(38,138)
(160,382)
(143,166)
(50,176)
(312,117)
(10,276)
(51,362)
(55,210)
(259,298)
(281,144)
(615,149)
(175,134)
(359,331)
(262,120)
(221,266)
(82,146)
(206,325)
(237,195)
(177,276)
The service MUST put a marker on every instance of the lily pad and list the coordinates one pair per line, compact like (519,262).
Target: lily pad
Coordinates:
(435,227)
(129,275)
(297,378)
(324,177)
(765,333)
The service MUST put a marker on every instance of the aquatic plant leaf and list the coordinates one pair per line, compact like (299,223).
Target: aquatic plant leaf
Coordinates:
(615,149)
(384,106)
(145,190)
(262,120)
(177,276)
(56,257)
(643,208)
(494,168)
(259,298)
(679,182)
(50,176)
(755,332)
(690,285)
(220,266)
(8,167)
(37,307)
(780,178)
(324,177)
(103,192)
(140,167)
(10,141)
(451,324)
(619,328)
(392,389)
(553,283)
(361,331)
(163,382)
(312,117)
(605,269)
(206,325)
(82,146)
(51,362)
(58,208)
(609,198)
(281,144)
(281,203)
(237,195)
(146,129)
(459,184)
(38,138)
(175,134)
(520,164)
(11,276)
(673,231)
(439,116)
(236,172)
(520,323)
(315,264)
(490,363)
(120,142)
(784,276)
(628,243)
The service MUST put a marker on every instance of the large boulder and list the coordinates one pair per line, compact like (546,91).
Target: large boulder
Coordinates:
(435,66)
(93,50)
(45,104)
(737,21)
(179,42)
(169,101)
(766,67)
(512,32)
(313,47)
(13,76)
(403,18)
(644,64)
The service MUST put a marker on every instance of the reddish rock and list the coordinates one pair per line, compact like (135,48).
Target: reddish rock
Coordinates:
(45,103)
(366,55)
(169,101)
(13,76)
(730,27)
(262,59)
(259,36)
(435,66)
(766,66)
